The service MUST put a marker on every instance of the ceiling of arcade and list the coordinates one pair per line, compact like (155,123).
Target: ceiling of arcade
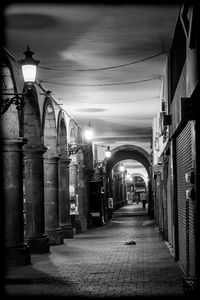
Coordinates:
(103,63)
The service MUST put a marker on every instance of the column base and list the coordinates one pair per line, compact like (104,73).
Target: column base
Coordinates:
(18,256)
(55,236)
(39,244)
(67,231)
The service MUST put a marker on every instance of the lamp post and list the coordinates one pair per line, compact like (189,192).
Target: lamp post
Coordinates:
(29,69)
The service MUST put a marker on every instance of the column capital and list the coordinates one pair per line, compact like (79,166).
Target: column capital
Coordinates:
(64,160)
(9,145)
(34,148)
(50,159)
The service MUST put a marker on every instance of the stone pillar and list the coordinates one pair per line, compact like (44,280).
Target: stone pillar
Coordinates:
(34,199)
(116,190)
(87,178)
(63,195)
(105,198)
(51,200)
(73,181)
(16,251)
(82,199)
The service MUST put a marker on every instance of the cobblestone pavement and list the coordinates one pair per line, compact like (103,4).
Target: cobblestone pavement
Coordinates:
(97,263)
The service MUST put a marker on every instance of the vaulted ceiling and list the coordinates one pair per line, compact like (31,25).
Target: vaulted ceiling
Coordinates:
(103,63)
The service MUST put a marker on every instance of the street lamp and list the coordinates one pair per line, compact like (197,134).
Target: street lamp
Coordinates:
(89,132)
(121,168)
(74,148)
(108,152)
(29,69)
(29,66)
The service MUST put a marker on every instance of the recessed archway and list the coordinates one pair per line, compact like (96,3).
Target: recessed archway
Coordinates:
(128,152)
(135,153)
(62,136)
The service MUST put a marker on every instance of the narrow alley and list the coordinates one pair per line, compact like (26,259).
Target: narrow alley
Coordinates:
(98,263)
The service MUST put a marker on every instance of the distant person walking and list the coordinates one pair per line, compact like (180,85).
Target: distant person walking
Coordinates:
(143,199)
(137,197)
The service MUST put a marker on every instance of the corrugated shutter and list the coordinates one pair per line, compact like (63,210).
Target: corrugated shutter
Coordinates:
(169,205)
(185,208)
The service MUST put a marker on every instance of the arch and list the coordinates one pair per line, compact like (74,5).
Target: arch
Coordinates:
(62,135)
(79,135)
(72,132)
(32,129)
(49,127)
(128,152)
(10,120)
(139,175)
(136,153)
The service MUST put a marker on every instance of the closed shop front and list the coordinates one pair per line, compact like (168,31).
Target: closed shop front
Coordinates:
(169,203)
(184,162)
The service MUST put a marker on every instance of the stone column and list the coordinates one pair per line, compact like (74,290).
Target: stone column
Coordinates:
(73,181)
(87,177)
(116,190)
(63,195)
(17,252)
(52,227)
(34,199)
(105,197)
(82,199)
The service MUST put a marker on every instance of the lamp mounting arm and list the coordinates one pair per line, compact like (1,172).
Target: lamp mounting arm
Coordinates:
(73,149)
(17,99)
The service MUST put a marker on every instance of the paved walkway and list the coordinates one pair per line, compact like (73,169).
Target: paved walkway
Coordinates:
(99,264)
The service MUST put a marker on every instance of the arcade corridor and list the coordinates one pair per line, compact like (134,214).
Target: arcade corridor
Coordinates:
(100,135)
(99,264)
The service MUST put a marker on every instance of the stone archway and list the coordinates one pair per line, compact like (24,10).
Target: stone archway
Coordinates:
(51,175)
(128,152)
(63,178)
(131,152)
(17,252)
(34,174)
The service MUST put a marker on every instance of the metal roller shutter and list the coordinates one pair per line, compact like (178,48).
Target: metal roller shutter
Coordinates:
(169,205)
(185,208)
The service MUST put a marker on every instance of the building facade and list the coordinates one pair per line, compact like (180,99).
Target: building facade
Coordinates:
(175,167)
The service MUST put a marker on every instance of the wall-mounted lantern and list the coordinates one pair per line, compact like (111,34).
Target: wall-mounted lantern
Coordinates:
(89,132)
(29,70)
(29,66)
(121,167)
(108,152)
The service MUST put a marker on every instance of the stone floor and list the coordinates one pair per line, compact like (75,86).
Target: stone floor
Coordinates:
(98,263)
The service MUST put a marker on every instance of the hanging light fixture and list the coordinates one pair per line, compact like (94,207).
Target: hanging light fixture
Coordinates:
(108,152)
(29,66)
(89,132)
(121,167)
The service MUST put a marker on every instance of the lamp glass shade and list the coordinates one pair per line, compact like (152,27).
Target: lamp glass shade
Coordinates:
(108,152)
(29,73)
(121,168)
(88,134)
